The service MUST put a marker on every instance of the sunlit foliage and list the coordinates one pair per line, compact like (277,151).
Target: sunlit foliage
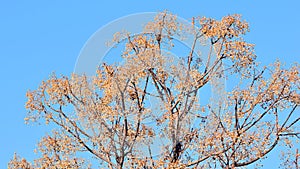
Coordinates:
(111,116)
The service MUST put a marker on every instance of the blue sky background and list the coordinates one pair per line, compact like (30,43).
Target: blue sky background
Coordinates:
(39,37)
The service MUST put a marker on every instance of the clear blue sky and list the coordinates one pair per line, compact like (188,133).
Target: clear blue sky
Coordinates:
(39,37)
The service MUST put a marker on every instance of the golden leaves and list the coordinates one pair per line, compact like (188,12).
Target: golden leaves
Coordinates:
(16,162)
(30,98)
(230,26)
(150,97)
(240,52)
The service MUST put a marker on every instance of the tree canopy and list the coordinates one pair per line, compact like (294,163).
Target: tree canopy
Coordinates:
(146,112)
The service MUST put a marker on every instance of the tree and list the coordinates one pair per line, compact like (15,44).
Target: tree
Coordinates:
(111,117)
